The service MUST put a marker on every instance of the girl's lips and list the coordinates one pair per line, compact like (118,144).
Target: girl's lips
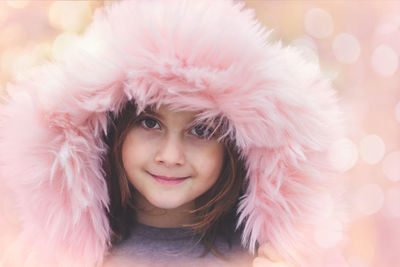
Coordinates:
(168,180)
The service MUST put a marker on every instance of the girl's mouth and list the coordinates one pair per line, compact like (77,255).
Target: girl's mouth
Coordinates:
(169,180)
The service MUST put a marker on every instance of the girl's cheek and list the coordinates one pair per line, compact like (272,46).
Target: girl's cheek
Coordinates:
(203,143)
(141,135)
(206,150)
(140,143)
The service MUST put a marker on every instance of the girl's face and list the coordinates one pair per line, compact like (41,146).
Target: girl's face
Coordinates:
(170,161)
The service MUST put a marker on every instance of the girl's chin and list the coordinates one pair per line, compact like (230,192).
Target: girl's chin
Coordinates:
(167,204)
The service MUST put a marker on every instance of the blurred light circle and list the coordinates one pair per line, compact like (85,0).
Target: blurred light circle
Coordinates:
(391,166)
(343,154)
(55,13)
(369,199)
(318,23)
(62,44)
(17,4)
(346,48)
(329,235)
(372,149)
(397,112)
(393,201)
(389,24)
(384,60)
(386,28)
(70,15)
(8,58)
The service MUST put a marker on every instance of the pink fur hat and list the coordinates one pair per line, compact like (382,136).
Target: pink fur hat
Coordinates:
(210,56)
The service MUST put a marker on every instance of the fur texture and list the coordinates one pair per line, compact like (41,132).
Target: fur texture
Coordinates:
(210,56)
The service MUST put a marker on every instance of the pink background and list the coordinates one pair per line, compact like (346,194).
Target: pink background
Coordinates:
(357,43)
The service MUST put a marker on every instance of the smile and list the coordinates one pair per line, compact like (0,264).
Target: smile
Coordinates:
(169,180)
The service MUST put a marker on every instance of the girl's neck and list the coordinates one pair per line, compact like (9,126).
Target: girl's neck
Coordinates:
(150,215)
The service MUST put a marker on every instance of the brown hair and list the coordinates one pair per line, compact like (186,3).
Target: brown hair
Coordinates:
(216,208)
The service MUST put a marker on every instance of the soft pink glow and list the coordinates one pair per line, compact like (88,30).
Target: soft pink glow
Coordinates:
(344,154)
(369,199)
(346,48)
(70,16)
(392,201)
(329,235)
(17,4)
(391,166)
(384,60)
(62,44)
(372,149)
(356,262)
(318,23)
(397,112)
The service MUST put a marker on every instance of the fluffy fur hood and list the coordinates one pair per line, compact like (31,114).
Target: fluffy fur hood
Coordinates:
(194,55)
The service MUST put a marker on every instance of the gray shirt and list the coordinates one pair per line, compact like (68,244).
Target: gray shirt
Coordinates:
(152,246)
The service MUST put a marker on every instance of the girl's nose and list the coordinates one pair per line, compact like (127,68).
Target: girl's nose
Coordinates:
(171,152)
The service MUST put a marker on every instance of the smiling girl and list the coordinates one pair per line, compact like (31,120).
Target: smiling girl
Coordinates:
(166,147)
(173,132)
(181,181)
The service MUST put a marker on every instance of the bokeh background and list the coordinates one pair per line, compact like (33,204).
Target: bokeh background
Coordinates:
(356,43)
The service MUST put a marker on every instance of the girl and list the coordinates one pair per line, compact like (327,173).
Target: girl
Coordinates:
(173,172)
(169,118)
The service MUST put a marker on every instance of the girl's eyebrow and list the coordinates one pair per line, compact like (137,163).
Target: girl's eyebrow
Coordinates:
(208,124)
(149,111)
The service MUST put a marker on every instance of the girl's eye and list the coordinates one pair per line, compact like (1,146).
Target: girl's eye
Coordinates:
(202,131)
(149,123)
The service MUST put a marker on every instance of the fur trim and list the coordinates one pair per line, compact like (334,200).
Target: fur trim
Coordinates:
(193,55)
